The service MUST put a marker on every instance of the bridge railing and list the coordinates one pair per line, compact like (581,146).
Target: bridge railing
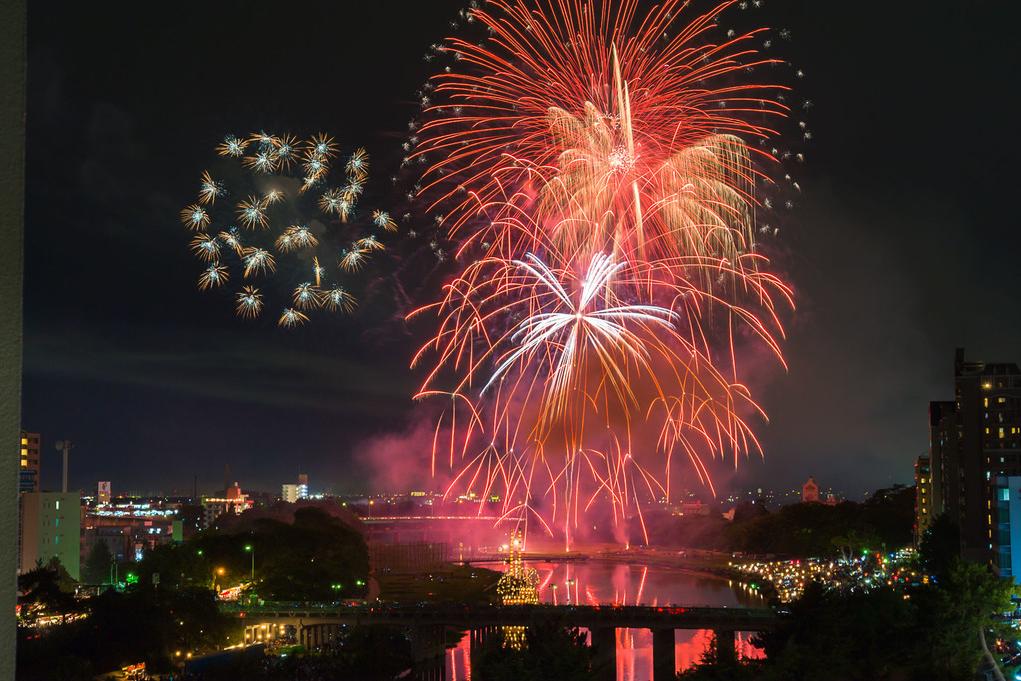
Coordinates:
(464,612)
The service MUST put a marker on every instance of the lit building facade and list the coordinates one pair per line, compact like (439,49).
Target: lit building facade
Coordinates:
(291,493)
(103,493)
(810,492)
(233,501)
(50,524)
(975,440)
(1007,535)
(131,529)
(923,498)
(28,469)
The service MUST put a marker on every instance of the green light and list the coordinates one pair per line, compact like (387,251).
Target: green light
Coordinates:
(248,547)
(199,552)
(132,578)
(359,582)
(336,587)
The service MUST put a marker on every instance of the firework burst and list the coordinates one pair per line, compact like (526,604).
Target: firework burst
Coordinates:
(282,223)
(600,168)
(195,217)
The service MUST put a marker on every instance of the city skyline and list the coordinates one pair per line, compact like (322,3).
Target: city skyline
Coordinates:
(163,359)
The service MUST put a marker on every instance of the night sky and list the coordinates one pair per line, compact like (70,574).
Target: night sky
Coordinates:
(904,244)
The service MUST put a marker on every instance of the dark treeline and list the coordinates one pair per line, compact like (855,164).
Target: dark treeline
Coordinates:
(935,631)
(886,518)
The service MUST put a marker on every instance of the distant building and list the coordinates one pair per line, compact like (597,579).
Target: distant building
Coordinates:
(291,493)
(103,492)
(974,440)
(923,498)
(692,507)
(28,476)
(131,529)
(50,526)
(233,501)
(810,492)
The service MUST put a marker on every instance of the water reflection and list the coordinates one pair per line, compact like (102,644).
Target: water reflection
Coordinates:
(599,583)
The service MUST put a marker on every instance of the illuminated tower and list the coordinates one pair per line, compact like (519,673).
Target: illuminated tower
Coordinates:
(519,585)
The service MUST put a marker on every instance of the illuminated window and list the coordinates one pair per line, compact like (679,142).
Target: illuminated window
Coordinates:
(985,401)
(24,440)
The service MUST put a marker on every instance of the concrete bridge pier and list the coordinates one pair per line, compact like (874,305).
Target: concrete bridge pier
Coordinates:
(664,655)
(306,636)
(604,649)
(726,648)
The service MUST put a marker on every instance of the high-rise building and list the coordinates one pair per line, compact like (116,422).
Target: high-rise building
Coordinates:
(28,477)
(973,441)
(943,459)
(810,491)
(50,526)
(923,497)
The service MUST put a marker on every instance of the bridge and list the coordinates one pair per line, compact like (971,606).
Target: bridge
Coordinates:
(318,624)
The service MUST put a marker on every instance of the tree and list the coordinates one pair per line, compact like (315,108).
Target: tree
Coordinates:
(551,652)
(712,667)
(97,564)
(48,585)
(956,614)
(318,557)
(843,636)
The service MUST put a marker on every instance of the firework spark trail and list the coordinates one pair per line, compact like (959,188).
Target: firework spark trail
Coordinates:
(620,122)
(546,362)
(599,173)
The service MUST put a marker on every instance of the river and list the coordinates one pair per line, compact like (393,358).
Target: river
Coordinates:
(601,582)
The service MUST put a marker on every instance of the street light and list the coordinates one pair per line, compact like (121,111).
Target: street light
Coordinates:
(251,549)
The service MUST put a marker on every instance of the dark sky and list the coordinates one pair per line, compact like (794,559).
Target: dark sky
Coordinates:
(903,245)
